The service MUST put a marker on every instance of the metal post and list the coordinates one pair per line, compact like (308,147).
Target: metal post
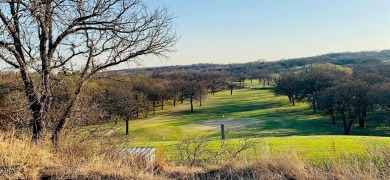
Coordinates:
(223,131)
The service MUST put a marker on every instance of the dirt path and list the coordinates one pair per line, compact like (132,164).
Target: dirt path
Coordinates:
(232,123)
(111,131)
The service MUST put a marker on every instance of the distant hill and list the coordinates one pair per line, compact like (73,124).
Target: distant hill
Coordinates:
(363,58)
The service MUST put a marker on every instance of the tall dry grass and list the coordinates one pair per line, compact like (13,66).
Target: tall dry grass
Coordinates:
(20,159)
(290,167)
(92,159)
(98,159)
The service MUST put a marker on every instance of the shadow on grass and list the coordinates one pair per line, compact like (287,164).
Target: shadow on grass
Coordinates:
(276,115)
(279,119)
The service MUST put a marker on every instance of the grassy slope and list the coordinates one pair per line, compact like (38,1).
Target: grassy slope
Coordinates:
(257,113)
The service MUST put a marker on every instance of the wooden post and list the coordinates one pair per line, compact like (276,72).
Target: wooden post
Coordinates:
(223,131)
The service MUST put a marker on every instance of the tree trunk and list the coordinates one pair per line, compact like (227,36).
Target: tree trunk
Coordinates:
(346,131)
(62,119)
(35,106)
(293,100)
(251,81)
(362,118)
(192,106)
(162,104)
(333,118)
(200,100)
(174,102)
(289,98)
(361,122)
(231,91)
(37,122)
(347,126)
(263,83)
(154,107)
(350,124)
(127,126)
(314,105)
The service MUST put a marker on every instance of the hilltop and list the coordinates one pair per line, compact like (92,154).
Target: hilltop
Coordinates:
(362,58)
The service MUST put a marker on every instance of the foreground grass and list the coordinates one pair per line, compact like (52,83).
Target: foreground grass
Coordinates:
(98,159)
(91,159)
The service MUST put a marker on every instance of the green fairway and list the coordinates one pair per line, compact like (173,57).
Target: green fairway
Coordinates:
(256,113)
(248,113)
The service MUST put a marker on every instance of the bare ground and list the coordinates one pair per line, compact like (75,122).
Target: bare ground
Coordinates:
(232,123)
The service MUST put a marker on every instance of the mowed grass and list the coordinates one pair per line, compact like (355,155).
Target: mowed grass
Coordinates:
(260,111)
(314,148)
(260,115)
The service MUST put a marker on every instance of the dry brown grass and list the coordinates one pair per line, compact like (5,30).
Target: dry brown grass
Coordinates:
(93,159)
(97,159)
(287,167)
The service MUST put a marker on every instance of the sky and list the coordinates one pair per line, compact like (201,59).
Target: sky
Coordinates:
(239,31)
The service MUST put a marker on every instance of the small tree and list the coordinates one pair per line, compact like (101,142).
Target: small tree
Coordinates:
(230,85)
(192,90)
(240,78)
(121,101)
(214,81)
(288,84)
(263,76)
(174,89)
(350,98)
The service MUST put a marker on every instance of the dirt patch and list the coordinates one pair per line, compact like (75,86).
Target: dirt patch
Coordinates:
(232,123)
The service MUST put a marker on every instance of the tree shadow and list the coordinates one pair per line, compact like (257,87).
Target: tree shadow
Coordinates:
(279,118)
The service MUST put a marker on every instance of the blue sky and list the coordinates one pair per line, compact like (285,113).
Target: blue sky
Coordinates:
(233,31)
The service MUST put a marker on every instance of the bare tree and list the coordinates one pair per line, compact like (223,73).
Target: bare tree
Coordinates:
(350,100)
(231,85)
(48,36)
(288,84)
(174,89)
(191,92)
(215,80)
(122,102)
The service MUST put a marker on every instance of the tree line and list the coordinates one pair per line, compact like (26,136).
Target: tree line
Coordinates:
(350,59)
(336,90)
(112,96)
